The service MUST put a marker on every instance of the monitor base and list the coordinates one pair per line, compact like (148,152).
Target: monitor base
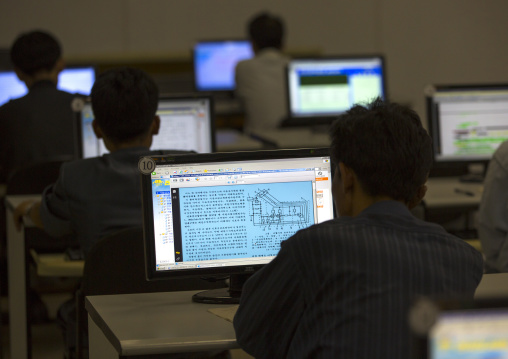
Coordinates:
(215,296)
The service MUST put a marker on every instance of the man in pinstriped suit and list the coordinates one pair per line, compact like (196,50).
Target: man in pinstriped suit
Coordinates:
(342,289)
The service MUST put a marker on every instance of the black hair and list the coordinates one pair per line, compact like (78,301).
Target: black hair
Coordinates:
(35,51)
(266,30)
(386,146)
(124,103)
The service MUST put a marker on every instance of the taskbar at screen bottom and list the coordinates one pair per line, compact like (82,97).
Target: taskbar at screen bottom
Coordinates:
(215,264)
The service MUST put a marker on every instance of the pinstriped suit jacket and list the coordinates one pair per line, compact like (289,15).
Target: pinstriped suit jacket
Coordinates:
(342,289)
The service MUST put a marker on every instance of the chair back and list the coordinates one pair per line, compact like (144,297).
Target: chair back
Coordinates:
(116,265)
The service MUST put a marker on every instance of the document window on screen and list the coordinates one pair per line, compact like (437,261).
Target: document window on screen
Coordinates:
(187,124)
(327,86)
(471,125)
(235,213)
(473,333)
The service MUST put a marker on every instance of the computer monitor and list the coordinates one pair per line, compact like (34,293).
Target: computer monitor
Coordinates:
(460,329)
(320,89)
(215,62)
(467,123)
(187,123)
(227,213)
(72,79)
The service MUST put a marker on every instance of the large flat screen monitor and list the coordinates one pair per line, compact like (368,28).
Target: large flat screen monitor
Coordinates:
(73,79)
(227,213)
(320,89)
(187,124)
(215,63)
(467,123)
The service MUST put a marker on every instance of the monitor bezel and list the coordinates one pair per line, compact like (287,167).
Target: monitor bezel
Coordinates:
(194,64)
(456,166)
(175,97)
(325,119)
(147,205)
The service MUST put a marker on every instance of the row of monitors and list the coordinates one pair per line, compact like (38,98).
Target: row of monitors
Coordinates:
(467,123)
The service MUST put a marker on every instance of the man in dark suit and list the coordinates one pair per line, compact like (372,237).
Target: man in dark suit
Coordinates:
(342,289)
(40,125)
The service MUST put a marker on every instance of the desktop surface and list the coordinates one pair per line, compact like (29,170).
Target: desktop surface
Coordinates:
(137,324)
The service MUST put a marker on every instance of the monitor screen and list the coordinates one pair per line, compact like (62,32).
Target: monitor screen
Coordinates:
(467,123)
(227,213)
(327,87)
(187,124)
(73,79)
(215,63)
(472,333)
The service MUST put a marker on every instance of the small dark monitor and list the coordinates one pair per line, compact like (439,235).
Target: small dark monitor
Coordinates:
(77,80)
(320,89)
(226,214)
(467,123)
(187,124)
(215,62)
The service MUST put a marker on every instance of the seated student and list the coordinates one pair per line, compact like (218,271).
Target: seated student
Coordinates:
(97,196)
(260,81)
(40,125)
(342,289)
(493,214)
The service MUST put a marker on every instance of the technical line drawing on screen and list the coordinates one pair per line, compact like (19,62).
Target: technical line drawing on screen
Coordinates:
(266,211)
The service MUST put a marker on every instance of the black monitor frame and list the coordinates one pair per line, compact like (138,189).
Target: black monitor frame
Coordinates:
(217,91)
(293,120)
(238,274)
(456,167)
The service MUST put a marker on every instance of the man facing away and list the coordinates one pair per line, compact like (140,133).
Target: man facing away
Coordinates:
(260,81)
(342,289)
(98,196)
(40,125)
(493,214)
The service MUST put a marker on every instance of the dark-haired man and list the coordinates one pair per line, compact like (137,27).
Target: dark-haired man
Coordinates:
(97,196)
(342,289)
(260,81)
(40,125)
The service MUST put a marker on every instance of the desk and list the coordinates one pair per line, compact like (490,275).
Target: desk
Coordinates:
(154,323)
(296,138)
(492,286)
(56,265)
(19,329)
(232,140)
(441,193)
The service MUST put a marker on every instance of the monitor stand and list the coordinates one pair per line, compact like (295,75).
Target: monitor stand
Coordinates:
(229,295)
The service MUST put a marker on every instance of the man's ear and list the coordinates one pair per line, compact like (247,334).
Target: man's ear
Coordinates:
(347,176)
(420,193)
(156,124)
(97,130)
(59,65)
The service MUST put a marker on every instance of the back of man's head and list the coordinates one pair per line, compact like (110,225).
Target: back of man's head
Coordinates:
(124,103)
(266,30)
(386,146)
(35,51)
